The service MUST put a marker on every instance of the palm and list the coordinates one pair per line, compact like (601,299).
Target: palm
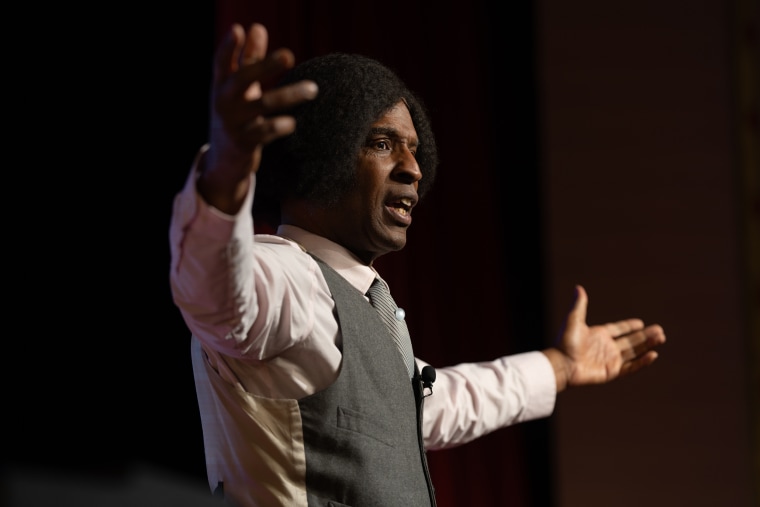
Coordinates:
(601,353)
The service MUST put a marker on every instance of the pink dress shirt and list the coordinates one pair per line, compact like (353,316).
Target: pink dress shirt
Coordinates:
(261,315)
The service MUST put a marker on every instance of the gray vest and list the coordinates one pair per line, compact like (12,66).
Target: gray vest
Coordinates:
(362,434)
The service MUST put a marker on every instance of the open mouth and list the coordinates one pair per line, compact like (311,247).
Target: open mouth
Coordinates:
(400,210)
(402,207)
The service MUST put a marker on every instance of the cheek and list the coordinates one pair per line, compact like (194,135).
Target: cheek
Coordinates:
(368,186)
(371,185)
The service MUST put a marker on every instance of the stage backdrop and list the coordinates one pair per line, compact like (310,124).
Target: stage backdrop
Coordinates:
(580,143)
(603,143)
(586,142)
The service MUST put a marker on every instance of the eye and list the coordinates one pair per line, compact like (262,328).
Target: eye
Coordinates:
(382,144)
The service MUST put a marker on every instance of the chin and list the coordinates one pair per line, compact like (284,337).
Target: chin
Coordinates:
(390,239)
(398,243)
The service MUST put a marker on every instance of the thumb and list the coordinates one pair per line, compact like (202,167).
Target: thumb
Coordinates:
(580,306)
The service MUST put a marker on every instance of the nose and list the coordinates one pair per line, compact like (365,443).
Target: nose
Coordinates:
(407,169)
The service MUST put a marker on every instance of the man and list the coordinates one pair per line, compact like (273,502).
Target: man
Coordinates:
(304,396)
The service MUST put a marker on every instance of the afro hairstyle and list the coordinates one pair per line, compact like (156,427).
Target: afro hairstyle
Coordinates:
(318,161)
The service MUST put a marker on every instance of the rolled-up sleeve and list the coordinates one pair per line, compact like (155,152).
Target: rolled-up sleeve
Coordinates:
(211,272)
(470,400)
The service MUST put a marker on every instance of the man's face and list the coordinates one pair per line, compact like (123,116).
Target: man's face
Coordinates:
(373,217)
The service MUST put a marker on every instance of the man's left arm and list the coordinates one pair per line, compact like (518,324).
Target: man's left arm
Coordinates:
(470,400)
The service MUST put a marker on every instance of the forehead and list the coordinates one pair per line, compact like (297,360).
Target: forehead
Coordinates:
(397,120)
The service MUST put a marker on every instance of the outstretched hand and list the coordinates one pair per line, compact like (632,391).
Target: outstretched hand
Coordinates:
(244,115)
(597,354)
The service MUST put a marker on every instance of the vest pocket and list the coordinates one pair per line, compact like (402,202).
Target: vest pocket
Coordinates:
(357,422)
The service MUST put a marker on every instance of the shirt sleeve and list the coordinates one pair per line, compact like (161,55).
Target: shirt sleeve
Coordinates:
(231,289)
(470,400)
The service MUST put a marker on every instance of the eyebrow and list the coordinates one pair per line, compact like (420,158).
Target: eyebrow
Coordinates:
(389,132)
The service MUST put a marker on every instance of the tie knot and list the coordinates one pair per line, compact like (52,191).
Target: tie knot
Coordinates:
(375,289)
(377,285)
(381,298)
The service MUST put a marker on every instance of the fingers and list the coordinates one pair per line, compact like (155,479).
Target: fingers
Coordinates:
(243,113)
(237,77)
(239,49)
(281,98)
(226,58)
(240,111)
(258,121)
(259,70)
(623,327)
(635,365)
(639,343)
(285,97)
(239,53)
(265,130)
(256,43)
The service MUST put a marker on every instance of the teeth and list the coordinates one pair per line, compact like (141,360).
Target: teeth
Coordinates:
(402,206)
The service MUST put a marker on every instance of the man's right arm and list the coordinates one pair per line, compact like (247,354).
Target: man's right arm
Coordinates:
(213,270)
(212,266)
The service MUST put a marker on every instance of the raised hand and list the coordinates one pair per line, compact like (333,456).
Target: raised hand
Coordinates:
(244,113)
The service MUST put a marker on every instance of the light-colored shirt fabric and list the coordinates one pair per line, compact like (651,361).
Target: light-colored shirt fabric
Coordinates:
(261,315)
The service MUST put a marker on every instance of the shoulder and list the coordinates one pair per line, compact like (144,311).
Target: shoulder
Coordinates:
(289,255)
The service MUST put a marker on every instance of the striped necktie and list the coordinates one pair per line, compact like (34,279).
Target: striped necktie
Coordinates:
(393,316)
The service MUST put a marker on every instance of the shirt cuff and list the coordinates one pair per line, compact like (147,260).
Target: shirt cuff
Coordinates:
(539,381)
(208,220)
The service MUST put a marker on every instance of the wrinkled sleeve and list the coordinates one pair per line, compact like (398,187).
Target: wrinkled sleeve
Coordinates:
(470,400)
(231,291)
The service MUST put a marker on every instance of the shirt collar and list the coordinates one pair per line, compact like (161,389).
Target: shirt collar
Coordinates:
(334,255)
